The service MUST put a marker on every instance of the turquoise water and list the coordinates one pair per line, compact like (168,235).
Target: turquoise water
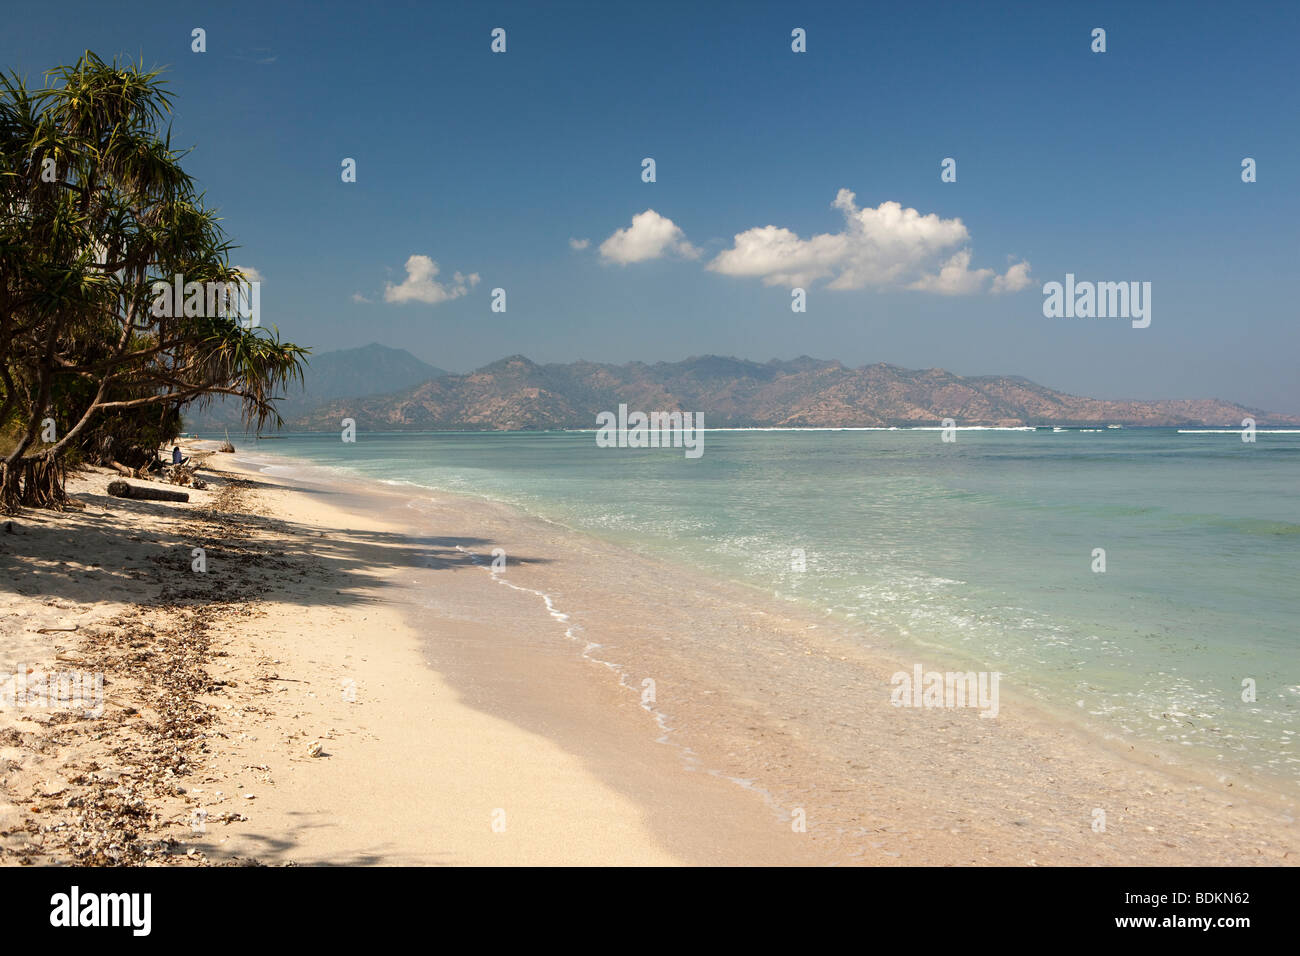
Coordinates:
(978,550)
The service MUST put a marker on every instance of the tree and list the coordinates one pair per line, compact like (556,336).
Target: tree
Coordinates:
(96,218)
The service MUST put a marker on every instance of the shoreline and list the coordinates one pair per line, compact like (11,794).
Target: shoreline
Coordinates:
(284,765)
(541,686)
(477,690)
(1197,763)
(1103,757)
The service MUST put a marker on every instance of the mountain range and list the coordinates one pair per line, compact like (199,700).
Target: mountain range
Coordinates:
(518,394)
(348,373)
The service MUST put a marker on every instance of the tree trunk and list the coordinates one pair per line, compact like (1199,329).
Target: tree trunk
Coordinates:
(11,495)
(43,478)
(120,489)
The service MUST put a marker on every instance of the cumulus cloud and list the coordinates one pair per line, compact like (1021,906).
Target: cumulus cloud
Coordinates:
(889,245)
(358,297)
(780,257)
(955,277)
(579,243)
(651,236)
(421,283)
(251,274)
(1014,279)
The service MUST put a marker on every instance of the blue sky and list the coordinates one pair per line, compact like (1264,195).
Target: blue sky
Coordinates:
(1115,166)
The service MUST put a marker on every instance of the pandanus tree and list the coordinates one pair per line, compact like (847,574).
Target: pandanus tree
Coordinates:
(96,217)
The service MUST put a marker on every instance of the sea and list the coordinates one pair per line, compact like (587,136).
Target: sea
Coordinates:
(1143,581)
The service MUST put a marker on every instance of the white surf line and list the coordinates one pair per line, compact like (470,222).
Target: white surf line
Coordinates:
(689,757)
(841,428)
(570,631)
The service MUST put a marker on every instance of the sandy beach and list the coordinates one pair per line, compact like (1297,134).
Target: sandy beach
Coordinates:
(352,681)
(307,641)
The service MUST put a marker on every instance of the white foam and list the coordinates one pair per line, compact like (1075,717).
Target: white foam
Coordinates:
(689,758)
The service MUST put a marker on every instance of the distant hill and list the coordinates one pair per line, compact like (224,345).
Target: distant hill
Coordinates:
(517,394)
(349,373)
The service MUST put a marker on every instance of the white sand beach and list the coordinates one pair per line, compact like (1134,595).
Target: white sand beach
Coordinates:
(339,687)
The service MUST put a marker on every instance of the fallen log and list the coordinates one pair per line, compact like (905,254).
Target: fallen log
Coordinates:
(120,489)
(122,469)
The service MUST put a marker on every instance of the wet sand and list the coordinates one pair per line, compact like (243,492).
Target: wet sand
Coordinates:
(583,704)
(791,711)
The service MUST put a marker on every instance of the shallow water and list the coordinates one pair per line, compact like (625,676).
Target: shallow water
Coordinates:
(979,550)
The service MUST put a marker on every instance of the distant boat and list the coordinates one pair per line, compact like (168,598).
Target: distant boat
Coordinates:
(1057,428)
(1114,426)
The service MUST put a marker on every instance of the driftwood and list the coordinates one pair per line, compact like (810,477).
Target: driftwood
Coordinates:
(120,489)
(135,472)
(179,474)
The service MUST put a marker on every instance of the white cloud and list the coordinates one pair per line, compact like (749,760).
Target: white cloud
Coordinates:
(421,284)
(955,278)
(579,243)
(251,274)
(1013,280)
(358,297)
(651,236)
(886,246)
(780,257)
